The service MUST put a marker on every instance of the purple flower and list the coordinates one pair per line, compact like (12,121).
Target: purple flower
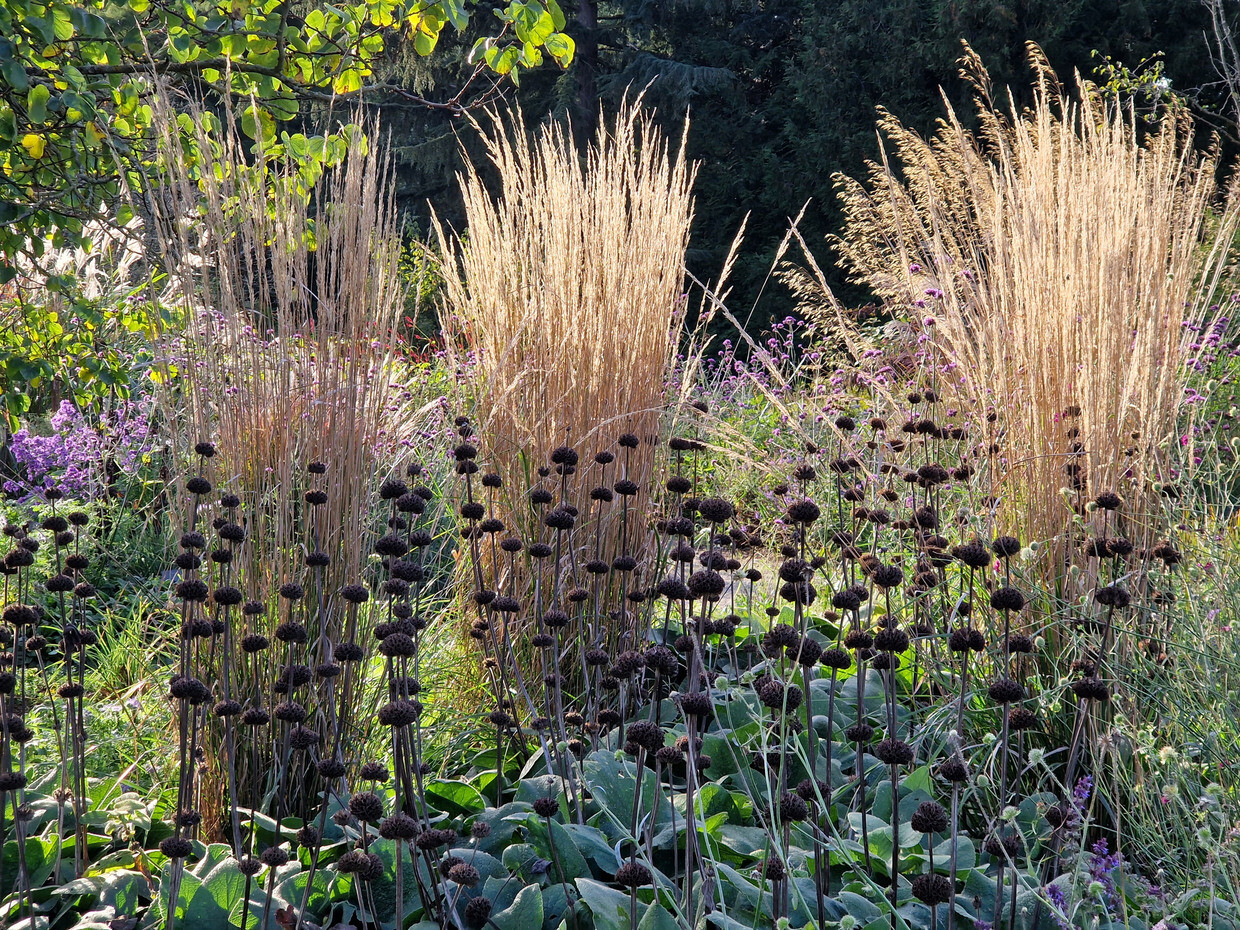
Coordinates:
(1058,898)
(1102,868)
(72,457)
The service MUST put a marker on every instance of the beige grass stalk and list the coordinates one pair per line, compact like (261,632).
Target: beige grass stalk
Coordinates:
(570,290)
(1070,246)
(285,356)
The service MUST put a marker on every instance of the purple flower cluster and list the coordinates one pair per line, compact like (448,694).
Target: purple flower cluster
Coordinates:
(72,456)
(1056,895)
(1103,865)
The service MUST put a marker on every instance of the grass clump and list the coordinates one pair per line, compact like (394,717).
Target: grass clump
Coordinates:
(1054,259)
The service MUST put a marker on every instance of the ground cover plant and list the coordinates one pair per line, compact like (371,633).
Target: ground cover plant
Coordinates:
(789,637)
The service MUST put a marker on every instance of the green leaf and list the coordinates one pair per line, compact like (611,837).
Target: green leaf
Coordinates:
(424,42)
(36,103)
(657,918)
(525,913)
(14,74)
(534,26)
(557,15)
(609,907)
(565,851)
(561,48)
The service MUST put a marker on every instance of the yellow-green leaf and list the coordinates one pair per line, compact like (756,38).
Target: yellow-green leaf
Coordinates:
(34,144)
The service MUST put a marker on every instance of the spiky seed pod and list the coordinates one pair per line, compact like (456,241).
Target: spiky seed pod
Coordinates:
(662,660)
(608,718)
(793,808)
(633,875)
(18,559)
(330,768)
(546,807)
(836,658)
(399,713)
(931,888)
(227,596)
(888,576)
(929,817)
(192,589)
(647,734)
(1120,547)
(774,869)
(249,866)
(366,806)
(1021,718)
(397,644)
(627,664)
(477,912)
(891,640)
(198,485)
(560,518)
(1007,598)
(893,752)
(373,771)
(289,712)
(176,847)
(804,512)
(673,589)
(707,584)
(464,874)
(958,640)
(1108,500)
(1113,595)
(59,584)
(695,704)
(1091,688)
(624,563)
(292,591)
(292,632)
(973,554)
(1006,691)
(255,717)
(858,639)
(1167,553)
(303,738)
(807,652)
(716,510)
(1005,547)
(274,856)
(399,826)
(348,652)
(846,600)
(1003,847)
(55,523)
(1019,644)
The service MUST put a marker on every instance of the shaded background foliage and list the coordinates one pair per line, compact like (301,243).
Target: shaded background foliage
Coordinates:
(782,94)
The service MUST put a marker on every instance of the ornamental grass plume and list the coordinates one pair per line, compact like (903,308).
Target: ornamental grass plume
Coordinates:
(568,294)
(290,299)
(1050,261)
